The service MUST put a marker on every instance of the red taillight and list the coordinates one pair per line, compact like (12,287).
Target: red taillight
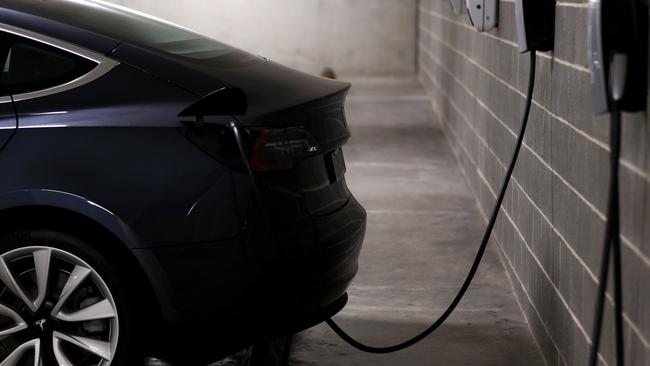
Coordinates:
(281,149)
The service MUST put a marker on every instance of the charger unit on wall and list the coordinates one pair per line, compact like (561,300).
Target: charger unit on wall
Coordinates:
(618,54)
(484,14)
(535,24)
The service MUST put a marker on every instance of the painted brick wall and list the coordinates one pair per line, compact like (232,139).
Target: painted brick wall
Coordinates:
(550,231)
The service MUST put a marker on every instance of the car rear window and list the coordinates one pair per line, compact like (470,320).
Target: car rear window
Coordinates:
(29,66)
(132,27)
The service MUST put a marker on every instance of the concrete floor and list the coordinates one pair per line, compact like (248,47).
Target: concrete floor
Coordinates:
(423,231)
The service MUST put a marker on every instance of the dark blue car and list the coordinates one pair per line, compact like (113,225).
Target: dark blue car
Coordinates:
(161,194)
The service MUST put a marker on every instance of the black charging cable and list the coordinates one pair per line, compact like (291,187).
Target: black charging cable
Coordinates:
(236,131)
(612,246)
(479,256)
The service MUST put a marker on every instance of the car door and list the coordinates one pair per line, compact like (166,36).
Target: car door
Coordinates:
(8,120)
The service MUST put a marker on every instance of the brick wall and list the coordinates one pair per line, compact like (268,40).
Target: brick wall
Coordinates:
(550,231)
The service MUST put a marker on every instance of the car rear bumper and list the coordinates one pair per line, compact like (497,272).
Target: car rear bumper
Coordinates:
(242,293)
(315,274)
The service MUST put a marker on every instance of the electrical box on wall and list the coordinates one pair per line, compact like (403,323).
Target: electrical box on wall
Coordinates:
(535,24)
(484,14)
(618,53)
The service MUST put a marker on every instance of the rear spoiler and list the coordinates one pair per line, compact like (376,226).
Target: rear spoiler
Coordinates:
(222,102)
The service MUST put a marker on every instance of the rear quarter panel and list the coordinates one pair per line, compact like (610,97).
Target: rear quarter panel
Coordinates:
(115,142)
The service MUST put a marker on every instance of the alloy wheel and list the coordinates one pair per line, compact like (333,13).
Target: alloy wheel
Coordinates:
(55,309)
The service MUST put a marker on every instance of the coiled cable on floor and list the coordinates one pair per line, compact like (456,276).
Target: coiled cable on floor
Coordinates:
(479,256)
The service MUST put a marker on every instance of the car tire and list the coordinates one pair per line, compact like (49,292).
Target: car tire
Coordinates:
(270,353)
(84,308)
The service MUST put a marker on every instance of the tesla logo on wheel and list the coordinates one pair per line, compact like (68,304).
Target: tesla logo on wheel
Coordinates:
(41,323)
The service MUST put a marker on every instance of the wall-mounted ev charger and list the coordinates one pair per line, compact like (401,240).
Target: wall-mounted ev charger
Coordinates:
(535,24)
(618,56)
(484,14)
(618,59)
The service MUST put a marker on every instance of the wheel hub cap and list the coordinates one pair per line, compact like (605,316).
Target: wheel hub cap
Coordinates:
(55,309)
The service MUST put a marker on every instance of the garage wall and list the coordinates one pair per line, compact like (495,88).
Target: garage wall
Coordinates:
(355,37)
(552,223)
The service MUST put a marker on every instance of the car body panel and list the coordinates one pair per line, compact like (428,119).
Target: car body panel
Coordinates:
(268,299)
(8,123)
(73,203)
(219,261)
(113,139)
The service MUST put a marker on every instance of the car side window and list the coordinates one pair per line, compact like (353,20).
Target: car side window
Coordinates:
(29,66)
